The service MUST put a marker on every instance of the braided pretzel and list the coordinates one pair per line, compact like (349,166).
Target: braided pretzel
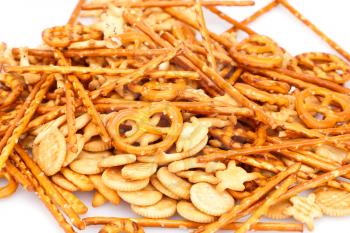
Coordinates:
(322,65)
(63,36)
(258,51)
(308,105)
(158,91)
(16,86)
(125,141)
(10,188)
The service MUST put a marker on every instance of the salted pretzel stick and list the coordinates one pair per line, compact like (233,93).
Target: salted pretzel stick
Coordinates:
(267,204)
(255,15)
(20,113)
(169,223)
(95,116)
(49,188)
(75,14)
(287,144)
(103,52)
(70,114)
(249,201)
(237,24)
(22,123)
(173,3)
(218,55)
(40,192)
(205,36)
(18,176)
(313,27)
(42,119)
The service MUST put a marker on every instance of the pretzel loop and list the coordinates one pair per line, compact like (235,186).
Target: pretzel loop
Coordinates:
(258,51)
(140,121)
(13,83)
(63,36)
(319,108)
(10,188)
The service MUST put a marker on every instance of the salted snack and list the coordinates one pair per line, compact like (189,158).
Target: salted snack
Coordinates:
(142,104)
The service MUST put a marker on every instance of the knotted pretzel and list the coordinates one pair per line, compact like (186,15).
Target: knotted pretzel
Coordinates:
(125,140)
(11,186)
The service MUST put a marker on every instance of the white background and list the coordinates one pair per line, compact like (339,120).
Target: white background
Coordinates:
(21,24)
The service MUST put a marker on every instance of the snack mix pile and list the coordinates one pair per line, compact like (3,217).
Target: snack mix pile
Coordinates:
(144,104)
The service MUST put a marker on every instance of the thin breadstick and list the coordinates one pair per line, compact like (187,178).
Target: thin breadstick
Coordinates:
(49,188)
(255,15)
(22,123)
(249,201)
(75,14)
(174,3)
(18,176)
(238,25)
(313,27)
(40,192)
(267,203)
(169,223)
(204,32)
(95,116)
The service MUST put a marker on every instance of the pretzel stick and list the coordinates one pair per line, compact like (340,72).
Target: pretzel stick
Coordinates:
(204,32)
(288,144)
(174,3)
(267,204)
(218,55)
(95,116)
(18,176)
(104,52)
(169,223)
(75,14)
(249,201)
(70,115)
(212,74)
(23,122)
(39,191)
(255,15)
(49,188)
(237,25)
(49,116)
(313,27)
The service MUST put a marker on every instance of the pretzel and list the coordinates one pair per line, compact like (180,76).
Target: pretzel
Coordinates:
(265,84)
(168,223)
(11,186)
(63,36)
(142,117)
(313,27)
(18,176)
(169,4)
(258,51)
(40,192)
(16,86)
(323,106)
(49,188)
(17,131)
(323,65)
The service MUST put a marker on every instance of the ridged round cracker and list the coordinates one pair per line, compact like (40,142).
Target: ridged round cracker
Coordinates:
(277,210)
(113,179)
(175,184)
(87,162)
(333,202)
(142,197)
(157,185)
(165,208)
(207,199)
(81,181)
(97,145)
(62,182)
(139,171)
(188,211)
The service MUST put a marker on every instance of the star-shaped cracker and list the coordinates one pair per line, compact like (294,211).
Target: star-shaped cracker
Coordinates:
(304,210)
(233,178)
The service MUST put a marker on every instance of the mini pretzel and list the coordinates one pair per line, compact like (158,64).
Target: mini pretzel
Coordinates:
(11,186)
(63,36)
(16,86)
(258,51)
(325,106)
(142,119)
(322,65)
